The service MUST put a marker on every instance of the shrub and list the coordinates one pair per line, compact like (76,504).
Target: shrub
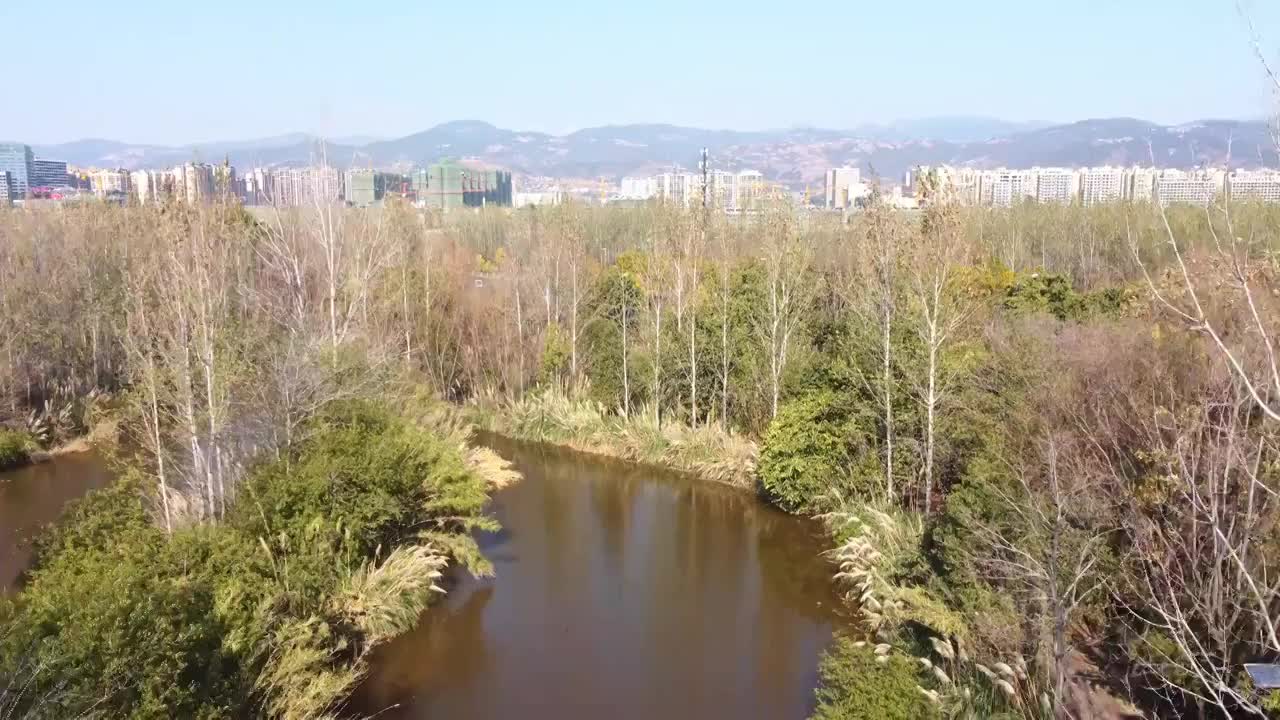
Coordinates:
(807,453)
(326,553)
(859,684)
(15,449)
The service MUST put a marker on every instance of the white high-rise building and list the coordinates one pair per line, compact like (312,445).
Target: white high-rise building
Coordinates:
(258,187)
(747,193)
(1195,187)
(1057,185)
(193,183)
(1101,185)
(140,180)
(1262,185)
(299,187)
(1140,184)
(1097,185)
(1004,187)
(676,188)
(953,184)
(637,188)
(109,182)
(838,184)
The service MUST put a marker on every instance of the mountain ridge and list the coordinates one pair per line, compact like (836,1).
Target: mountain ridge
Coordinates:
(794,155)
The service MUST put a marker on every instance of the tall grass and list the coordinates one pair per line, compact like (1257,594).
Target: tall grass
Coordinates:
(709,452)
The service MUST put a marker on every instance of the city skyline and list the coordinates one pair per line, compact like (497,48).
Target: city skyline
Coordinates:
(562,68)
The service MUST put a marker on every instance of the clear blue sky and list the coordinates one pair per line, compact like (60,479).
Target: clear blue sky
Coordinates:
(165,72)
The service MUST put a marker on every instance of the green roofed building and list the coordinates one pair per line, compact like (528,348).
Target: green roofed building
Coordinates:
(448,186)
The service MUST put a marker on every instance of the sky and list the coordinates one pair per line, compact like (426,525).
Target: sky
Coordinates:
(146,71)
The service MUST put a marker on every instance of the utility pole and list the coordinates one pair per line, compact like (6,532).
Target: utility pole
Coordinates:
(705,187)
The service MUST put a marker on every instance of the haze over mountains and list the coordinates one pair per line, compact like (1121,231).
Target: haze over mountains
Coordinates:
(793,156)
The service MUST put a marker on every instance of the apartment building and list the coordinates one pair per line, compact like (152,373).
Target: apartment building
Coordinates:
(109,183)
(1261,185)
(1195,187)
(1056,185)
(840,187)
(1003,187)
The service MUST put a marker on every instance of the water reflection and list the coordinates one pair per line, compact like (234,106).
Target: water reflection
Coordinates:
(621,592)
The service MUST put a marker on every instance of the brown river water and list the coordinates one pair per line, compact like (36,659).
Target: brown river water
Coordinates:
(35,495)
(621,592)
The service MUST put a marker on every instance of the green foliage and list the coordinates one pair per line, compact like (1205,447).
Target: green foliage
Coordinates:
(859,684)
(555,356)
(615,299)
(15,448)
(326,553)
(1045,292)
(818,449)
(804,452)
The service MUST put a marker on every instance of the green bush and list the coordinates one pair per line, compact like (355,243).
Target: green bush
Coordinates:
(15,449)
(803,451)
(270,613)
(817,448)
(858,685)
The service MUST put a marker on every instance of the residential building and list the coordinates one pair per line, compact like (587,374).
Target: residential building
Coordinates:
(299,187)
(747,191)
(838,184)
(1093,185)
(1260,185)
(1101,185)
(225,183)
(1140,184)
(17,159)
(962,185)
(448,186)
(676,188)
(637,188)
(362,188)
(1004,188)
(109,184)
(1194,187)
(549,197)
(731,192)
(257,187)
(193,183)
(1056,185)
(152,186)
(48,174)
(140,182)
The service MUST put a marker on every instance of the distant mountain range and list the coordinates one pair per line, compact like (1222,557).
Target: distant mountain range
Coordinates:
(794,156)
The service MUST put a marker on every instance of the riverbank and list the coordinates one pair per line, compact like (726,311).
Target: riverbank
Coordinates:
(708,452)
(16,449)
(19,449)
(338,552)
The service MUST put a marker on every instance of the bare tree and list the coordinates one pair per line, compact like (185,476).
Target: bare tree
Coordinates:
(1048,549)
(787,256)
(941,312)
(657,274)
(872,289)
(727,254)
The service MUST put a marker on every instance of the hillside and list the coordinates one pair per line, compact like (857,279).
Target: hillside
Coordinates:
(795,156)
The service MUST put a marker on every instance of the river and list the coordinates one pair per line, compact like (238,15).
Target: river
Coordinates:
(35,495)
(620,592)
